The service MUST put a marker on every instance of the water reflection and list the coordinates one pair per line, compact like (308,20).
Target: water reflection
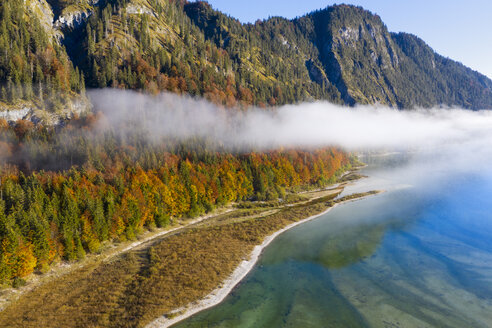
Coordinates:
(412,257)
(350,247)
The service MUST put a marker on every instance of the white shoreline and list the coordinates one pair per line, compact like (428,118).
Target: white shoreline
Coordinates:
(219,294)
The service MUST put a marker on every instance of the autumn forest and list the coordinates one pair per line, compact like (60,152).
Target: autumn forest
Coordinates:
(66,191)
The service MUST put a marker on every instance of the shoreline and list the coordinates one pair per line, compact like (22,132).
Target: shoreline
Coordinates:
(9,295)
(316,201)
(241,271)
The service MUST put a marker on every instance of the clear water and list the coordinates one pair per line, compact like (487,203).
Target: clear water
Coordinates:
(419,255)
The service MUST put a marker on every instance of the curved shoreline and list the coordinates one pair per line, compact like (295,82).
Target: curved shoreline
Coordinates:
(242,270)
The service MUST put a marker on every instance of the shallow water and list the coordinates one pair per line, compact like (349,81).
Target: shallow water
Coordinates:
(419,255)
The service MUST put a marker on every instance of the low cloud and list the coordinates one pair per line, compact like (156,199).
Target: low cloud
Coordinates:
(304,125)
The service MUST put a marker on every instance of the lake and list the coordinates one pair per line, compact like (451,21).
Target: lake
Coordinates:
(418,255)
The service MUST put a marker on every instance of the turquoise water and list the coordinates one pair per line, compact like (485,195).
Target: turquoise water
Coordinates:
(419,255)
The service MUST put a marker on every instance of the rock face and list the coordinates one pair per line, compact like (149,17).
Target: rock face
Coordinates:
(138,10)
(14,115)
(72,14)
(72,20)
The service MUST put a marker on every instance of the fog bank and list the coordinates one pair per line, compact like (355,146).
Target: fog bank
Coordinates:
(303,125)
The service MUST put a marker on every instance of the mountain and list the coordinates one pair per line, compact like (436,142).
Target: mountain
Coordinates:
(368,64)
(50,50)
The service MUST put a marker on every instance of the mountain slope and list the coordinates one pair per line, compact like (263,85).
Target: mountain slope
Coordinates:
(343,54)
(370,64)
(35,71)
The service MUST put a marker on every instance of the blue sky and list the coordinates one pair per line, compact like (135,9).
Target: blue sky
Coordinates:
(461,30)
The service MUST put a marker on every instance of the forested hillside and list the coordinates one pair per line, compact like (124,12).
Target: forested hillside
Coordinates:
(63,193)
(34,68)
(343,54)
(369,65)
